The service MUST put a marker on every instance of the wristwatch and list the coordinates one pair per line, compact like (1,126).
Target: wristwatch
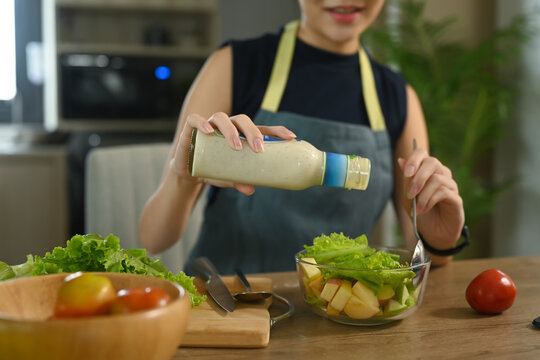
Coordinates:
(449,252)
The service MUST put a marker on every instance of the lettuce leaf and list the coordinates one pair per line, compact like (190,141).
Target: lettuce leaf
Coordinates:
(355,259)
(338,248)
(6,272)
(91,252)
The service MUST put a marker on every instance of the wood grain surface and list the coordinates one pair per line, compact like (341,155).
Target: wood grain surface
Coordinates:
(248,326)
(444,327)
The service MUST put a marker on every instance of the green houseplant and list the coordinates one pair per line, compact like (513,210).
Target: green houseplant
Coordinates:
(465,101)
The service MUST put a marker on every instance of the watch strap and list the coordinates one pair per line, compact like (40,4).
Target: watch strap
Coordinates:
(448,252)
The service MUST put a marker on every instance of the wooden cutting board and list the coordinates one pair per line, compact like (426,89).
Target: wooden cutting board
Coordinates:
(248,326)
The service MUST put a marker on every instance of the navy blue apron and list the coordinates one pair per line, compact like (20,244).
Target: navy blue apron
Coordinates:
(262,232)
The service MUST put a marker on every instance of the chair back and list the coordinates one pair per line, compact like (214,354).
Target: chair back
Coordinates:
(119,181)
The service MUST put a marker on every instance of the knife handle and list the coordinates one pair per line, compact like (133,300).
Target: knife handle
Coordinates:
(203,268)
(243,279)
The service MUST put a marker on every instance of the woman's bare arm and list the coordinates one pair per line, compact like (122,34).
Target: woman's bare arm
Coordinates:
(207,107)
(166,213)
(440,211)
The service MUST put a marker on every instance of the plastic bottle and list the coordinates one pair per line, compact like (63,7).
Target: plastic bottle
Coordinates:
(285,164)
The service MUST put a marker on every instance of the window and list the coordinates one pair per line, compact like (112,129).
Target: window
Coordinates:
(7,45)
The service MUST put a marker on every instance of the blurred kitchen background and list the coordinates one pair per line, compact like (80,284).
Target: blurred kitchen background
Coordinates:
(77,75)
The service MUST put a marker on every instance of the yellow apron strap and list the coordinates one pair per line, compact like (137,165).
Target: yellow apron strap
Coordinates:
(280,70)
(373,106)
(280,75)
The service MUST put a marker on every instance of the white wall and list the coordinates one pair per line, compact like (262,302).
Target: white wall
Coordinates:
(516,226)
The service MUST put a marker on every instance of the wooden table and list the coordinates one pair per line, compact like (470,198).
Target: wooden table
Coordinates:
(444,327)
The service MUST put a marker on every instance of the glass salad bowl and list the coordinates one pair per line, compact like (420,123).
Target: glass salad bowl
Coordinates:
(365,295)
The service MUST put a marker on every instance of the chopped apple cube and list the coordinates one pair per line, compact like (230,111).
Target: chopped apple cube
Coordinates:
(385,294)
(343,295)
(416,292)
(365,294)
(330,289)
(316,285)
(402,294)
(356,308)
(393,307)
(311,271)
(307,288)
(330,310)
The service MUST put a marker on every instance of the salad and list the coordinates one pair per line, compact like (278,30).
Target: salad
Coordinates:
(91,252)
(355,279)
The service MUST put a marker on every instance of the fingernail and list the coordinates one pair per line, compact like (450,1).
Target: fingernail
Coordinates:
(259,147)
(207,127)
(409,171)
(237,143)
(413,190)
(291,134)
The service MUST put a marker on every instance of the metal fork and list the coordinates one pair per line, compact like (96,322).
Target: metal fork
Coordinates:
(419,254)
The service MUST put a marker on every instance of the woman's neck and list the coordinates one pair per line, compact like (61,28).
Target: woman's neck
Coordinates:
(346,47)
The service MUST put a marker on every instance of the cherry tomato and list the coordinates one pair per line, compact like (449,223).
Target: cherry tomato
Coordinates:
(84,294)
(491,292)
(140,298)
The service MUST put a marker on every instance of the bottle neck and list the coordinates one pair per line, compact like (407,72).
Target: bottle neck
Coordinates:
(348,171)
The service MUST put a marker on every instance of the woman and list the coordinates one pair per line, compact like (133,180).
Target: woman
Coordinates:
(331,95)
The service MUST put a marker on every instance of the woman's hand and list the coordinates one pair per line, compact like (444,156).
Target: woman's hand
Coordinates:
(439,207)
(230,127)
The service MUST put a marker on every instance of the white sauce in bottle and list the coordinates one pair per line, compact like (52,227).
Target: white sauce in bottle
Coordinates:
(285,164)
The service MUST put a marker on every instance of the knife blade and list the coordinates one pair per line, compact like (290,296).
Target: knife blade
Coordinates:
(215,286)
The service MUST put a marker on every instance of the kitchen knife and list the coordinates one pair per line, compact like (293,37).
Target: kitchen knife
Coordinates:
(215,287)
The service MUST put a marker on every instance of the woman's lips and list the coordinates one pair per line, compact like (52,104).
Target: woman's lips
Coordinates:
(344,14)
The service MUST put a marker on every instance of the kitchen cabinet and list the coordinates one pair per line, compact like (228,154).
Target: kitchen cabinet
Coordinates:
(106,32)
(33,200)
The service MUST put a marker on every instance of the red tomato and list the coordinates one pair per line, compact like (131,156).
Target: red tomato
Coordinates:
(491,292)
(141,298)
(84,294)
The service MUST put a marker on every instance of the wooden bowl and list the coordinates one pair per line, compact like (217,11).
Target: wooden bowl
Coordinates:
(26,304)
